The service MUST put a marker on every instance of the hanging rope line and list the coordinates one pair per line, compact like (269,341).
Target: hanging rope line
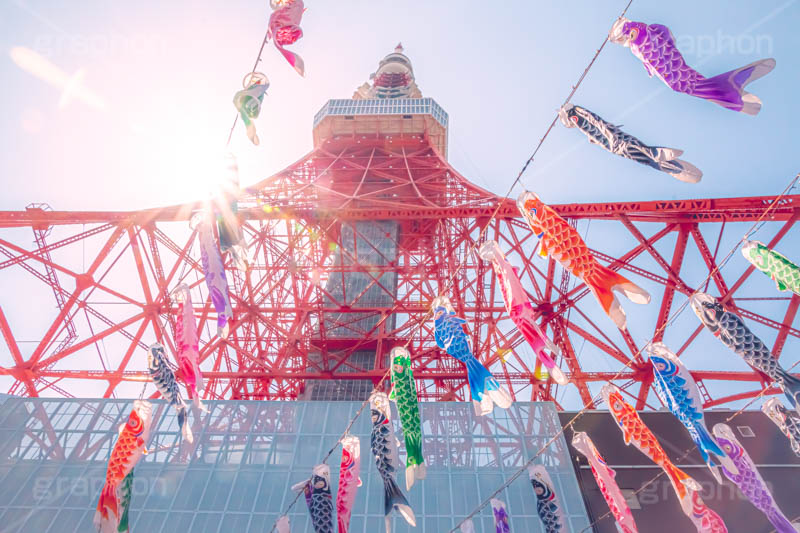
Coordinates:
(462,263)
(571,94)
(672,318)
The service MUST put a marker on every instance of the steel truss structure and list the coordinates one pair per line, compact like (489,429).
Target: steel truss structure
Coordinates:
(111,274)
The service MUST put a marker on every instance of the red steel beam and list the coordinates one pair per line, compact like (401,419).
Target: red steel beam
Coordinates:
(20,373)
(281,315)
(747,209)
(669,290)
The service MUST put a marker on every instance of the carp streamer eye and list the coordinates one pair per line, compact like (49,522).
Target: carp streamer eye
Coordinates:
(728,448)
(574,119)
(634,33)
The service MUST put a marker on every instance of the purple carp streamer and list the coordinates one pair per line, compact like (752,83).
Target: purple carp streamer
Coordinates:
(654,45)
(501,524)
(749,480)
(304,487)
(214,271)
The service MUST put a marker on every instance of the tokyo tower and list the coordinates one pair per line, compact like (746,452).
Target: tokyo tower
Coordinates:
(348,247)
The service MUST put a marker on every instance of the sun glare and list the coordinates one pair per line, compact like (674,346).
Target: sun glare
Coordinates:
(190,164)
(72,87)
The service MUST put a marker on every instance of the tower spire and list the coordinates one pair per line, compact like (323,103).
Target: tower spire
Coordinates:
(393,79)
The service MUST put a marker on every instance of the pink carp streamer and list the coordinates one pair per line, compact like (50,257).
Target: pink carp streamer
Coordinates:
(604,475)
(284,29)
(349,481)
(188,344)
(520,309)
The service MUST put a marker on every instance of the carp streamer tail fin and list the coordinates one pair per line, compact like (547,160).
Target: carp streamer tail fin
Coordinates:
(682,170)
(484,388)
(394,498)
(105,518)
(791,388)
(183,422)
(707,443)
(415,472)
(604,281)
(727,89)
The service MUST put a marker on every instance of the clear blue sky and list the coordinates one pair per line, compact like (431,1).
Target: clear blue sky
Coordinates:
(168,71)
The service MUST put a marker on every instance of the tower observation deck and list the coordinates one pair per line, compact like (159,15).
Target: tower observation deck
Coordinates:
(392,105)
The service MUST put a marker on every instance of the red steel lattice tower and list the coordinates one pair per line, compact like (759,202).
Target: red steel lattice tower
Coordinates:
(348,248)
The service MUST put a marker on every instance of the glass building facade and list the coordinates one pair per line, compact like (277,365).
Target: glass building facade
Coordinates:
(237,474)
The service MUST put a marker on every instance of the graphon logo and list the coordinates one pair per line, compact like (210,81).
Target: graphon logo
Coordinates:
(659,491)
(725,44)
(97,45)
(51,488)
